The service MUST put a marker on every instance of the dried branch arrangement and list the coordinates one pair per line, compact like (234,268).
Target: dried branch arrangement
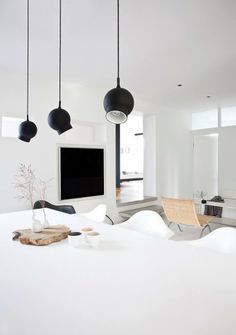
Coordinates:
(28,186)
(25,183)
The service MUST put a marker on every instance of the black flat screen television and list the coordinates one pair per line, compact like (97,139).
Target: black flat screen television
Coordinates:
(81,172)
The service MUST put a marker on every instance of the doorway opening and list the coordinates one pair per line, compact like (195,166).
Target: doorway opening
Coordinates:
(129,169)
(133,161)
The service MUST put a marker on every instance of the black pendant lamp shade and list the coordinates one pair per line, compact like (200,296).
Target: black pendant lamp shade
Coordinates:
(59,119)
(27,129)
(118,102)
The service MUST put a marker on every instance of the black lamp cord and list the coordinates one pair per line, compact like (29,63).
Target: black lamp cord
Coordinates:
(118,43)
(27,59)
(59,62)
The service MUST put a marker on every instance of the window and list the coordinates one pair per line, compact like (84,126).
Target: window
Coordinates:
(228,116)
(205,120)
(10,126)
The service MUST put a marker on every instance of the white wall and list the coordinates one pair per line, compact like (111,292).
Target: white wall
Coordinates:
(86,109)
(174,154)
(226,165)
(205,169)
(150,156)
(85,106)
(227,162)
(173,142)
(227,169)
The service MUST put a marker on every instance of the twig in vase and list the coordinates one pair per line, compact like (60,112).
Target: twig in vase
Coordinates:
(25,183)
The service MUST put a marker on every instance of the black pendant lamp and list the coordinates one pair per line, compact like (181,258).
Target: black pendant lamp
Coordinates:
(58,118)
(27,129)
(118,102)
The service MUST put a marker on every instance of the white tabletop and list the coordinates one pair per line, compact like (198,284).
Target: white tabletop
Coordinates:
(132,284)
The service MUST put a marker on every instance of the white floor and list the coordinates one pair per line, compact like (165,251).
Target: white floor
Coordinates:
(190,233)
(130,191)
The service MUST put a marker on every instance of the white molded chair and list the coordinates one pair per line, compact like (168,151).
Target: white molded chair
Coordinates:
(148,222)
(97,214)
(222,240)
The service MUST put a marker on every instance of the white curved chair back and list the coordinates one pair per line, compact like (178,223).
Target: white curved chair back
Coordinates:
(148,222)
(222,240)
(97,214)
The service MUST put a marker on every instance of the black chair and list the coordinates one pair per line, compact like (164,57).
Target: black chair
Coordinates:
(61,208)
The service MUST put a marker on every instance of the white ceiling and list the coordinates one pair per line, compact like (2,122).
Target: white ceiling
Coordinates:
(163,43)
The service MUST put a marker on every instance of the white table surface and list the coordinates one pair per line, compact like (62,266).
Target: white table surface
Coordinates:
(132,284)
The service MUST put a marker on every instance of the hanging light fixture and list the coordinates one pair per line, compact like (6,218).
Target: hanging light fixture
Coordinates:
(58,118)
(118,102)
(27,129)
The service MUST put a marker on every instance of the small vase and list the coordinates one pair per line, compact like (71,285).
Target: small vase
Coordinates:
(45,222)
(36,224)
